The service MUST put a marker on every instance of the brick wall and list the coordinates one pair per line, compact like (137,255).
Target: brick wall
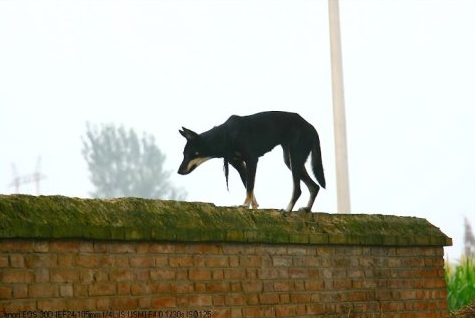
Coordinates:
(338,274)
(229,280)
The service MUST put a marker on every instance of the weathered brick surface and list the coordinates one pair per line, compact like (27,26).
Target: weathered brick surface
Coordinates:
(229,280)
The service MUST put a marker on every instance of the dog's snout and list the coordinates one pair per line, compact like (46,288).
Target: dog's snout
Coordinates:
(183,169)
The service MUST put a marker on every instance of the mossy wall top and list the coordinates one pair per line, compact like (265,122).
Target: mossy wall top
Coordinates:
(46,217)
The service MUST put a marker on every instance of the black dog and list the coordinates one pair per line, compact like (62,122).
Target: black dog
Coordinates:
(242,140)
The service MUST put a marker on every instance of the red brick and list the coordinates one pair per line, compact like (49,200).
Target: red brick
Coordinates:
(200,287)
(80,290)
(206,249)
(314,309)
(124,303)
(217,287)
(236,249)
(52,304)
(42,291)
(138,289)
(221,313)
(81,303)
(250,261)
(20,291)
(217,274)
(64,246)
(265,311)
(254,286)
(342,284)
(298,273)
(182,287)
(145,302)
(6,292)
(233,261)
(162,288)
(162,248)
(40,260)
(283,286)
(181,261)
(66,290)
(19,305)
(161,260)
(121,248)
(199,274)
(234,273)
(65,260)
(105,289)
(4,261)
(285,298)
(93,275)
(218,300)
(141,261)
(284,311)
(40,246)
(16,246)
(282,261)
(123,288)
(198,261)
(195,300)
(236,312)
(143,247)
(17,276)
(162,274)
(163,302)
(121,275)
(299,250)
(234,299)
(142,275)
(272,273)
(101,247)
(300,298)
(269,299)
(17,260)
(86,247)
(103,303)
(88,261)
(217,261)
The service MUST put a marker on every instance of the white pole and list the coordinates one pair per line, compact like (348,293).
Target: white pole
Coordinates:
(339,119)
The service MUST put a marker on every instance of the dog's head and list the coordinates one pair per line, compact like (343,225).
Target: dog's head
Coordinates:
(195,153)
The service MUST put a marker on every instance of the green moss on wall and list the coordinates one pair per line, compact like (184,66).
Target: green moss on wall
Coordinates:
(23,216)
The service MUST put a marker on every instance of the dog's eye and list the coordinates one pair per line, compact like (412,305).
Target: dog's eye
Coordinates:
(197,153)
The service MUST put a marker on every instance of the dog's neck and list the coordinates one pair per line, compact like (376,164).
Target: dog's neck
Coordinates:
(217,141)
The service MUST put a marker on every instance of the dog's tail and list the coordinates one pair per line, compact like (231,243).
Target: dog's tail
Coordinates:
(317,165)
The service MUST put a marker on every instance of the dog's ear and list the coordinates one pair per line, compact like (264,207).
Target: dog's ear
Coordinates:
(188,134)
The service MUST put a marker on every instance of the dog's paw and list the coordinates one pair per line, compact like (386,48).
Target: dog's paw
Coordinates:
(285,213)
(305,209)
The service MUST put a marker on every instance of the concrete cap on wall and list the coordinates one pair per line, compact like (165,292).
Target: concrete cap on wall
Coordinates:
(135,219)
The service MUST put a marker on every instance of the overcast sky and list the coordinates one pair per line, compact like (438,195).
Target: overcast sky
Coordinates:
(409,70)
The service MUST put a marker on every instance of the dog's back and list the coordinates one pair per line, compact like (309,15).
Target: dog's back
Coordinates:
(261,132)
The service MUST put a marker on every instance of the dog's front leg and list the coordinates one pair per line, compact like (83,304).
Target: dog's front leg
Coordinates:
(250,200)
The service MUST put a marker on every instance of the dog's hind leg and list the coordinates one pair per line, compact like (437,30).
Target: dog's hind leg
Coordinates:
(295,160)
(313,188)
(296,192)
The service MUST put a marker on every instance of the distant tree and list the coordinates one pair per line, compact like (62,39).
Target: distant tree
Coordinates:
(469,240)
(123,165)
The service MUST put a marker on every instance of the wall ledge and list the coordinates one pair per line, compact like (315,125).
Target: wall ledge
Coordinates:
(134,219)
